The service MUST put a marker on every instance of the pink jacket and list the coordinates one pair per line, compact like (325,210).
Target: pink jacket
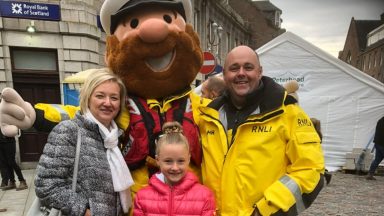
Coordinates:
(189,197)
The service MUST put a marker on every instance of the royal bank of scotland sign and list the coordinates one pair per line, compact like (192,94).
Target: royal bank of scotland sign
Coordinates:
(29,10)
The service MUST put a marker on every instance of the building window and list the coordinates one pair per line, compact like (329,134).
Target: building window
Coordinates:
(277,19)
(349,57)
(228,41)
(196,20)
(34,59)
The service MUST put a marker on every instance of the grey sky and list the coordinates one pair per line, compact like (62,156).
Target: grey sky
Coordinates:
(325,23)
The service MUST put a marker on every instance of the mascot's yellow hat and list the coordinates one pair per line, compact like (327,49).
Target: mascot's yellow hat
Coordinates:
(112,11)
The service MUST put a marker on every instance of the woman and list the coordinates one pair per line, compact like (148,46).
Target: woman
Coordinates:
(102,172)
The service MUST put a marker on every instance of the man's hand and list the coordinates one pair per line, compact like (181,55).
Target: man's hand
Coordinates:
(256,212)
(15,113)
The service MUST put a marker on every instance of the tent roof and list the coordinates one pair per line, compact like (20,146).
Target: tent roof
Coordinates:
(289,37)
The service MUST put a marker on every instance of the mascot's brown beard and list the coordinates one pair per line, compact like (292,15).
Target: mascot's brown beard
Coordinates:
(128,60)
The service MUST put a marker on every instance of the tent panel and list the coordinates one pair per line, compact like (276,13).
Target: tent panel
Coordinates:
(370,111)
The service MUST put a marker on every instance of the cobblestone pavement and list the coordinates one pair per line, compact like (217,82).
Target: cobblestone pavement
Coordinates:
(349,194)
(346,195)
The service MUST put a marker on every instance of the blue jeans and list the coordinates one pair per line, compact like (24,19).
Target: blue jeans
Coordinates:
(379,156)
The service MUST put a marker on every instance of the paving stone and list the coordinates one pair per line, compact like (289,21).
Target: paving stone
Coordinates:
(349,194)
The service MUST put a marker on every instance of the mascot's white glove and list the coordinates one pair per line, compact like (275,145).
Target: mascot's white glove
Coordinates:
(15,113)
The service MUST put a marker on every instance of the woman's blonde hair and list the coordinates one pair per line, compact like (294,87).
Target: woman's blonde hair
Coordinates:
(95,79)
(172,134)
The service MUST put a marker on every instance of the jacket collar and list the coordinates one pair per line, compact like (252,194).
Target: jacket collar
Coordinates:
(164,104)
(184,185)
(269,96)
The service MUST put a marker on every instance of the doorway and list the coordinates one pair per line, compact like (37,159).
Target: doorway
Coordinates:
(36,78)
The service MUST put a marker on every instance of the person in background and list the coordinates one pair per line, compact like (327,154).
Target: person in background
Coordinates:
(174,190)
(3,167)
(103,176)
(379,146)
(317,125)
(262,155)
(213,87)
(9,166)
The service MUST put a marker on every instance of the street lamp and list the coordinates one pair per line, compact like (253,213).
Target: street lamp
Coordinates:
(215,32)
(31,27)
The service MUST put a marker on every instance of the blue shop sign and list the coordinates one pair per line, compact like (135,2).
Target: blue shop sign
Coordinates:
(29,10)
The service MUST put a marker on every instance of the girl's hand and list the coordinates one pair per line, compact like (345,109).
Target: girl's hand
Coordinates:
(87,212)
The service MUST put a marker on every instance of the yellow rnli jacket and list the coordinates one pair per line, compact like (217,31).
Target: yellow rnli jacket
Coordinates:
(273,161)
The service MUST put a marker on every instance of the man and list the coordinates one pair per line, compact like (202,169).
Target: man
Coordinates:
(262,155)
(379,146)
(213,87)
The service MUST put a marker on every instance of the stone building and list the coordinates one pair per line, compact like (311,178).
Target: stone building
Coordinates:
(263,19)
(67,38)
(364,47)
(220,29)
(240,22)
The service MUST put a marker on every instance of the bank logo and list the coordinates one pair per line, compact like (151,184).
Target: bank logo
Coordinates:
(29,10)
(16,8)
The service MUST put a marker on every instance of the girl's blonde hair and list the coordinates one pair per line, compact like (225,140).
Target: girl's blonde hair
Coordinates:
(172,134)
(95,79)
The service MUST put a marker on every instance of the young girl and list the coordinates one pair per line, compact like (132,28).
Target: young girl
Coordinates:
(174,190)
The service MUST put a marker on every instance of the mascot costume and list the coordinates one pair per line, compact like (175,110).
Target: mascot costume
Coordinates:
(157,55)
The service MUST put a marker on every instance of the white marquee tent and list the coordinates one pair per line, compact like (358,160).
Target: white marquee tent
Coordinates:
(346,101)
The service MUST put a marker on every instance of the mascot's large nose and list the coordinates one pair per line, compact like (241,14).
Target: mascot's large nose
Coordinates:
(153,30)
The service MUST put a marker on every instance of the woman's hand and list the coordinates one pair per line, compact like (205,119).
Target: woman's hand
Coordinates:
(87,212)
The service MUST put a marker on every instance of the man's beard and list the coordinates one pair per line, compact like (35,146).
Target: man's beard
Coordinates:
(128,60)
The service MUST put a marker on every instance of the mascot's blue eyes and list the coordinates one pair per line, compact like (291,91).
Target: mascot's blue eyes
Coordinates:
(134,23)
(167,18)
